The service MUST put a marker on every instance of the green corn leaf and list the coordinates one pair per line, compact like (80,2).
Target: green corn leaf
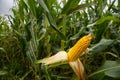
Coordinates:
(2,49)
(110,68)
(114,73)
(80,7)
(119,3)
(103,19)
(50,18)
(76,36)
(42,3)
(102,25)
(102,45)
(3,73)
(28,33)
(53,24)
(32,6)
(70,4)
(107,18)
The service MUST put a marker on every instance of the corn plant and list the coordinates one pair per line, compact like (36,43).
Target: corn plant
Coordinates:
(41,29)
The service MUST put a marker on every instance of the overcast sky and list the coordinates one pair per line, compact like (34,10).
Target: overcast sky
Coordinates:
(5,6)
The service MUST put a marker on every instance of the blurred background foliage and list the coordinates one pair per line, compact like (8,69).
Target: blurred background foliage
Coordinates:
(40,28)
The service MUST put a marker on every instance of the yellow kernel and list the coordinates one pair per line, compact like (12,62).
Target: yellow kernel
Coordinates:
(79,47)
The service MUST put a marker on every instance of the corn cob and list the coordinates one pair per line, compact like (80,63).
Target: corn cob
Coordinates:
(79,47)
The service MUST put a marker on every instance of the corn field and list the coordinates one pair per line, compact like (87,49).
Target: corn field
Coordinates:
(46,39)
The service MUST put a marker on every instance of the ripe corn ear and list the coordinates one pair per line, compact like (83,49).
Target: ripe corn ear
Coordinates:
(79,47)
